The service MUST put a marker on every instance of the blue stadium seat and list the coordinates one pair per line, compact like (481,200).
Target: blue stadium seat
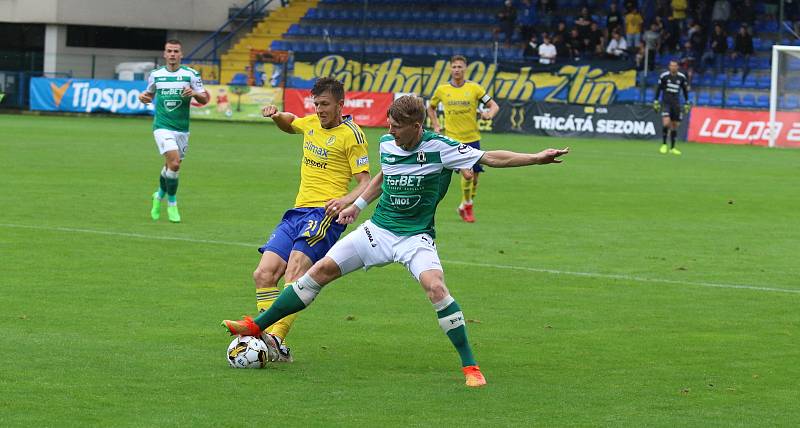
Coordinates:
(716,99)
(762,101)
(419,50)
(748,100)
(733,100)
(750,82)
(703,99)
(735,81)
(649,95)
(406,50)
(763,82)
(792,102)
(720,80)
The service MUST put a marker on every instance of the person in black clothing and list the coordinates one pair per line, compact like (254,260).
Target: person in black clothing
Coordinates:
(613,19)
(595,41)
(671,83)
(576,44)
(583,22)
(719,46)
(507,18)
(531,50)
(697,39)
(742,48)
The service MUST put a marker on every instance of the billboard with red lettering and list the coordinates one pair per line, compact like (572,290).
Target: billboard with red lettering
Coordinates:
(367,108)
(726,126)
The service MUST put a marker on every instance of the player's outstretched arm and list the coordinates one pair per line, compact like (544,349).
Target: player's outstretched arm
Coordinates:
(506,159)
(334,206)
(281,118)
(372,192)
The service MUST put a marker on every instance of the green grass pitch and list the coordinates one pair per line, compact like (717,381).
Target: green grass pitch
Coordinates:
(622,287)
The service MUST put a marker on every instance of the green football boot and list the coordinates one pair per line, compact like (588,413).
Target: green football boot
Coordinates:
(155,212)
(173,214)
(663,149)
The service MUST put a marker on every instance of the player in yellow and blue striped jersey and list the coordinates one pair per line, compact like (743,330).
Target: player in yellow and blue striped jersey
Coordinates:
(334,152)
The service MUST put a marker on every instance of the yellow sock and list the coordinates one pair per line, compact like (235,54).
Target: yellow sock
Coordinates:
(474,189)
(282,327)
(466,190)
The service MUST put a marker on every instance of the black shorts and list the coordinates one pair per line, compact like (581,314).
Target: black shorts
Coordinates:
(671,109)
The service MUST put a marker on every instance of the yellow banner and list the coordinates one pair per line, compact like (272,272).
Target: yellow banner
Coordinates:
(575,84)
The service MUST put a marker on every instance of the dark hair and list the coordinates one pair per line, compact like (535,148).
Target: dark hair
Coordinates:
(328,84)
(455,58)
(407,110)
(173,42)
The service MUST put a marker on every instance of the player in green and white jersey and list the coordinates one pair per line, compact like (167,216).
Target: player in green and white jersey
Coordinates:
(172,86)
(416,166)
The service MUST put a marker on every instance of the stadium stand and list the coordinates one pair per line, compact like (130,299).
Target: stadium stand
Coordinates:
(470,27)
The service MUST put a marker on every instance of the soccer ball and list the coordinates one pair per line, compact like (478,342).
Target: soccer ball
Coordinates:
(248,352)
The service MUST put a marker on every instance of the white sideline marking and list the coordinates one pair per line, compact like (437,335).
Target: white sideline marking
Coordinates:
(456,262)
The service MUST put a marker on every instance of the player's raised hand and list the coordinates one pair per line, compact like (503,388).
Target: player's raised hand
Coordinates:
(187,92)
(348,215)
(437,129)
(269,111)
(551,155)
(485,115)
(146,97)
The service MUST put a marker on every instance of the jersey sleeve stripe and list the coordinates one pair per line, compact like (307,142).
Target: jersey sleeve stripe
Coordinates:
(352,127)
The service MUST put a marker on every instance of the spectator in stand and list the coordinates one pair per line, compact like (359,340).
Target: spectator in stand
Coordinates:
(663,8)
(652,44)
(583,22)
(721,12)
(595,41)
(506,19)
(562,50)
(547,51)
(546,9)
(531,50)
(742,50)
(746,12)
(791,10)
(613,19)
(633,27)
(697,40)
(679,13)
(617,47)
(561,30)
(527,20)
(719,47)
(575,44)
(687,61)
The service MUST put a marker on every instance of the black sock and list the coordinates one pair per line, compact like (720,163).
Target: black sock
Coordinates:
(664,134)
(672,135)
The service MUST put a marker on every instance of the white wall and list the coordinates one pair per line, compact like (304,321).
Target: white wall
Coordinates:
(191,15)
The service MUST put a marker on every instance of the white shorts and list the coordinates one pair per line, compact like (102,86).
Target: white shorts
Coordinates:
(167,141)
(370,245)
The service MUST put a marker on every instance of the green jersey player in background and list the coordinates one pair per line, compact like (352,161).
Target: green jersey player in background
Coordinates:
(172,86)
(416,166)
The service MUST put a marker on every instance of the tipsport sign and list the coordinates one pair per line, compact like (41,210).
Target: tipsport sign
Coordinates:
(88,96)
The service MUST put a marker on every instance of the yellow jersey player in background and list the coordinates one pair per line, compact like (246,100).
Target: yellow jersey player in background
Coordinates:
(461,98)
(334,152)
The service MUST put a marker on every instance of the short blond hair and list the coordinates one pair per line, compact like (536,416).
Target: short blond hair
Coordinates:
(407,110)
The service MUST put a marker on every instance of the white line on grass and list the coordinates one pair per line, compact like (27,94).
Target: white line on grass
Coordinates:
(456,262)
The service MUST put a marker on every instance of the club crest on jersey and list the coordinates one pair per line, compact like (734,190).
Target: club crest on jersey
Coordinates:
(421,157)
(310,132)
(171,105)
(331,140)
(463,148)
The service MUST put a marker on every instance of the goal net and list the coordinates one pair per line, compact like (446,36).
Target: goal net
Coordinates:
(784,98)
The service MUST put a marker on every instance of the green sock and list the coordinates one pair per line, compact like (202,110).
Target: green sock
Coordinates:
(162,186)
(287,303)
(171,181)
(451,319)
